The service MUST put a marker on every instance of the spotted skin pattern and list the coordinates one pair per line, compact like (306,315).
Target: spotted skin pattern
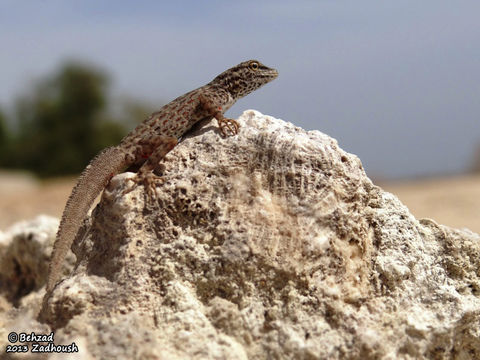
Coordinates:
(150,141)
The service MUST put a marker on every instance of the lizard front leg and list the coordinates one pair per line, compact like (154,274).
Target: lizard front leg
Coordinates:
(227,126)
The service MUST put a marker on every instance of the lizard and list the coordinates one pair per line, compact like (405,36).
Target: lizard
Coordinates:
(150,141)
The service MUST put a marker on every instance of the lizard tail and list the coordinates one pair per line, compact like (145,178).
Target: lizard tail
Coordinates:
(91,182)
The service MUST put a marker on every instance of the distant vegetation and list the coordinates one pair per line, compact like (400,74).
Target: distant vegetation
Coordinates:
(3,136)
(476,160)
(63,123)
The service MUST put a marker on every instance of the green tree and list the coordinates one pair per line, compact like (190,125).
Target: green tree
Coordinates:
(63,124)
(4,138)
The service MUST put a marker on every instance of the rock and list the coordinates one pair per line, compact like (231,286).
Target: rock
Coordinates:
(25,249)
(270,244)
(24,253)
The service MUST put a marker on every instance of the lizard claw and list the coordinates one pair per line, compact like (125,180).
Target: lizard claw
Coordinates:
(228,127)
(149,182)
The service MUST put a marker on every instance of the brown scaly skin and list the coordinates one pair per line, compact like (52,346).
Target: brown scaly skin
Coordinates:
(150,141)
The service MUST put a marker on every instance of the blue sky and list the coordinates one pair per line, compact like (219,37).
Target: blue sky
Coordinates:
(395,82)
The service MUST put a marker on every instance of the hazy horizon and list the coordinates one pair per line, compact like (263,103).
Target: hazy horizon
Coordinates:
(396,84)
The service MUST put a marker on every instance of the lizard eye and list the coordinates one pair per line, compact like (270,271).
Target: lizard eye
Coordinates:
(253,65)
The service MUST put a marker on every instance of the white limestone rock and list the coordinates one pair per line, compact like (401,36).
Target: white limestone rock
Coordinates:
(25,249)
(269,244)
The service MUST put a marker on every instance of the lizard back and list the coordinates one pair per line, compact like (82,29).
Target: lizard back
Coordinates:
(177,117)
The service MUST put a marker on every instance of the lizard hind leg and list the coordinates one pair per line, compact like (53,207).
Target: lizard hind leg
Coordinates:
(154,151)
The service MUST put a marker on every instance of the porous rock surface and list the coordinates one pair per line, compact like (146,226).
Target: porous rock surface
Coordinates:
(270,244)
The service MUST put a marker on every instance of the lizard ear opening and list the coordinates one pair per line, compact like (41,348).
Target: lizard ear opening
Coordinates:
(253,65)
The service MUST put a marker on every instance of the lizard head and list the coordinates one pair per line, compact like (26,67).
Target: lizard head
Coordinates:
(244,78)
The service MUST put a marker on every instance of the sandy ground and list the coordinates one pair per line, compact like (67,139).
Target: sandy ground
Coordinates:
(453,201)
(23,197)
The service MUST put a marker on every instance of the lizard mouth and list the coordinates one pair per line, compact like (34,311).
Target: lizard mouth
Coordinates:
(270,74)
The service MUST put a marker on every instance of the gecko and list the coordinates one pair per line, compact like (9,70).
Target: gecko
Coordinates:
(146,145)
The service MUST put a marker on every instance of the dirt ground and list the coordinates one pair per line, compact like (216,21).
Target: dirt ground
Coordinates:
(453,201)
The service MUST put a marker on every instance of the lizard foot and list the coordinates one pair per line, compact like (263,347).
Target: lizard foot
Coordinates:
(149,182)
(228,127)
